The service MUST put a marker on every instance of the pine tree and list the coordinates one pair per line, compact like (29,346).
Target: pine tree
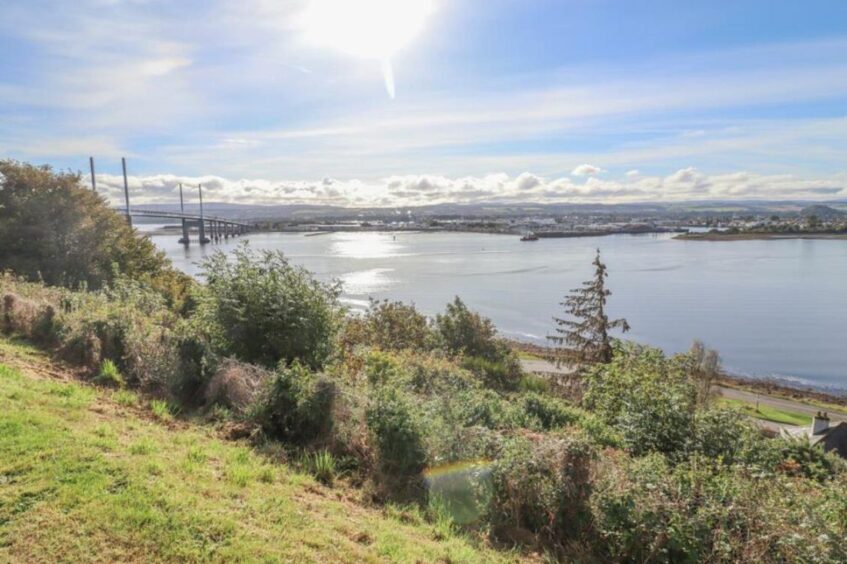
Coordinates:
(585,336)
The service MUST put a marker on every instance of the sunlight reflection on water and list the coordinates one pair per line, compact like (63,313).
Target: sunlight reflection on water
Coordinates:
(367,282)
(366,245)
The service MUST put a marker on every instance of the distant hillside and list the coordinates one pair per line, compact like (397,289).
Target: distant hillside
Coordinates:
(822,211)
(306,212)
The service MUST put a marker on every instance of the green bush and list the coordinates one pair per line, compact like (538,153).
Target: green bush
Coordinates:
(726,436)
(799,458)
(262,309)
(424,374)
(534,383)
(391,326)
(297,405)
(465,332)
(536,411)
(398,439)
(198,361)
(127,323)
(501,374)
(648,398)
(647,510)
(482,408)
(542,485)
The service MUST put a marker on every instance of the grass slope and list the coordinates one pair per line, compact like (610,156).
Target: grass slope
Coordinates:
(88,474)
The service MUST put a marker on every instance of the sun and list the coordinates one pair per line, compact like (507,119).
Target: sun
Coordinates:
(371,29)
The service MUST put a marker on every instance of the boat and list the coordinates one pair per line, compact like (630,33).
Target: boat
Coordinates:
(529,236)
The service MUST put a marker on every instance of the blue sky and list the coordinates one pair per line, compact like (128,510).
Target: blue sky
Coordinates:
(534,100)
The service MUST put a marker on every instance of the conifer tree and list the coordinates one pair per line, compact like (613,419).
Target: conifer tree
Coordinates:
(584,336)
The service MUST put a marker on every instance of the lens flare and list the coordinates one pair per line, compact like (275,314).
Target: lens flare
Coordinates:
(462,488)
(371,29)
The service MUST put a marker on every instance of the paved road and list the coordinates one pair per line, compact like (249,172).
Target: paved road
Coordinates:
(543,366)
(779,403)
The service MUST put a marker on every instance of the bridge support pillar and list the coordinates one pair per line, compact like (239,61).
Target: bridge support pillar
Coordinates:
(203,239)
(226,230)
(184,239)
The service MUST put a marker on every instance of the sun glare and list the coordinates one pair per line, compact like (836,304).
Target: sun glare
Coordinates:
(372,29)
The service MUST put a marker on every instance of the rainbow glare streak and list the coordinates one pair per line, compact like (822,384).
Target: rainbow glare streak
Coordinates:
(463,488)
(460,466)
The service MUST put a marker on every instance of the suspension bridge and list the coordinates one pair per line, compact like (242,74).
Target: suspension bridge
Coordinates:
(209,228)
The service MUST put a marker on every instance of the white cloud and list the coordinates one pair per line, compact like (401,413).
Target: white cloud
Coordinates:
(231,95)
(586,170)
(527,181)
(633,173)
(412,190)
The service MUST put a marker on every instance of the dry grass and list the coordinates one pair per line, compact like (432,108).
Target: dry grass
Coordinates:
(235,385)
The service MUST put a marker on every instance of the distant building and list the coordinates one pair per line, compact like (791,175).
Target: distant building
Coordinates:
(830,437)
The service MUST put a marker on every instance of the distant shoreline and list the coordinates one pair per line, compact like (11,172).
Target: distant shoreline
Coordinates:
(176,229)
(764,385)
(762,236)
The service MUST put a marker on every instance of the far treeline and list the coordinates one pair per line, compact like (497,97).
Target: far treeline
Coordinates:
(629,460)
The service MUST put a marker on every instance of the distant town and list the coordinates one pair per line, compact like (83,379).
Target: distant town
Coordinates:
(693,221)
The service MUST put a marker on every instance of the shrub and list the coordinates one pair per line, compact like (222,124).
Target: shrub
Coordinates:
(128,324)
(533,383)
(109,375)
(481,408)
(646,510)
(398,439)
(424,374)
(264,310)
(501,374)
(726,436)
(465,332)
(198,362)
(799,458)
(540,412)
(646,397)
(296,405)
(391,326)
(542,485)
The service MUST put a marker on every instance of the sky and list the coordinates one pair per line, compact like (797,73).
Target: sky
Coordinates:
(410,102)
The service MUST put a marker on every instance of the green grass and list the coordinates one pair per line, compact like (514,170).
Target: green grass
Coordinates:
(767,413)
(109,375)
(810,401)
(84,477)
(161,410)
(526,355)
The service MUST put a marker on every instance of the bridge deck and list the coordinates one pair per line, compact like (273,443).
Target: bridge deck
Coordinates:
(177,215)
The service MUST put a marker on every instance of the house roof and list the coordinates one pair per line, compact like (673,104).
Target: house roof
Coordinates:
(840,427)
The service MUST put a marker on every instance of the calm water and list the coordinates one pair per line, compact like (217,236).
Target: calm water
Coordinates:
(772,308)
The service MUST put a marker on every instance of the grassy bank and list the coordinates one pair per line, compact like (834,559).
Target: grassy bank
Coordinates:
(92,474)
(768,413)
